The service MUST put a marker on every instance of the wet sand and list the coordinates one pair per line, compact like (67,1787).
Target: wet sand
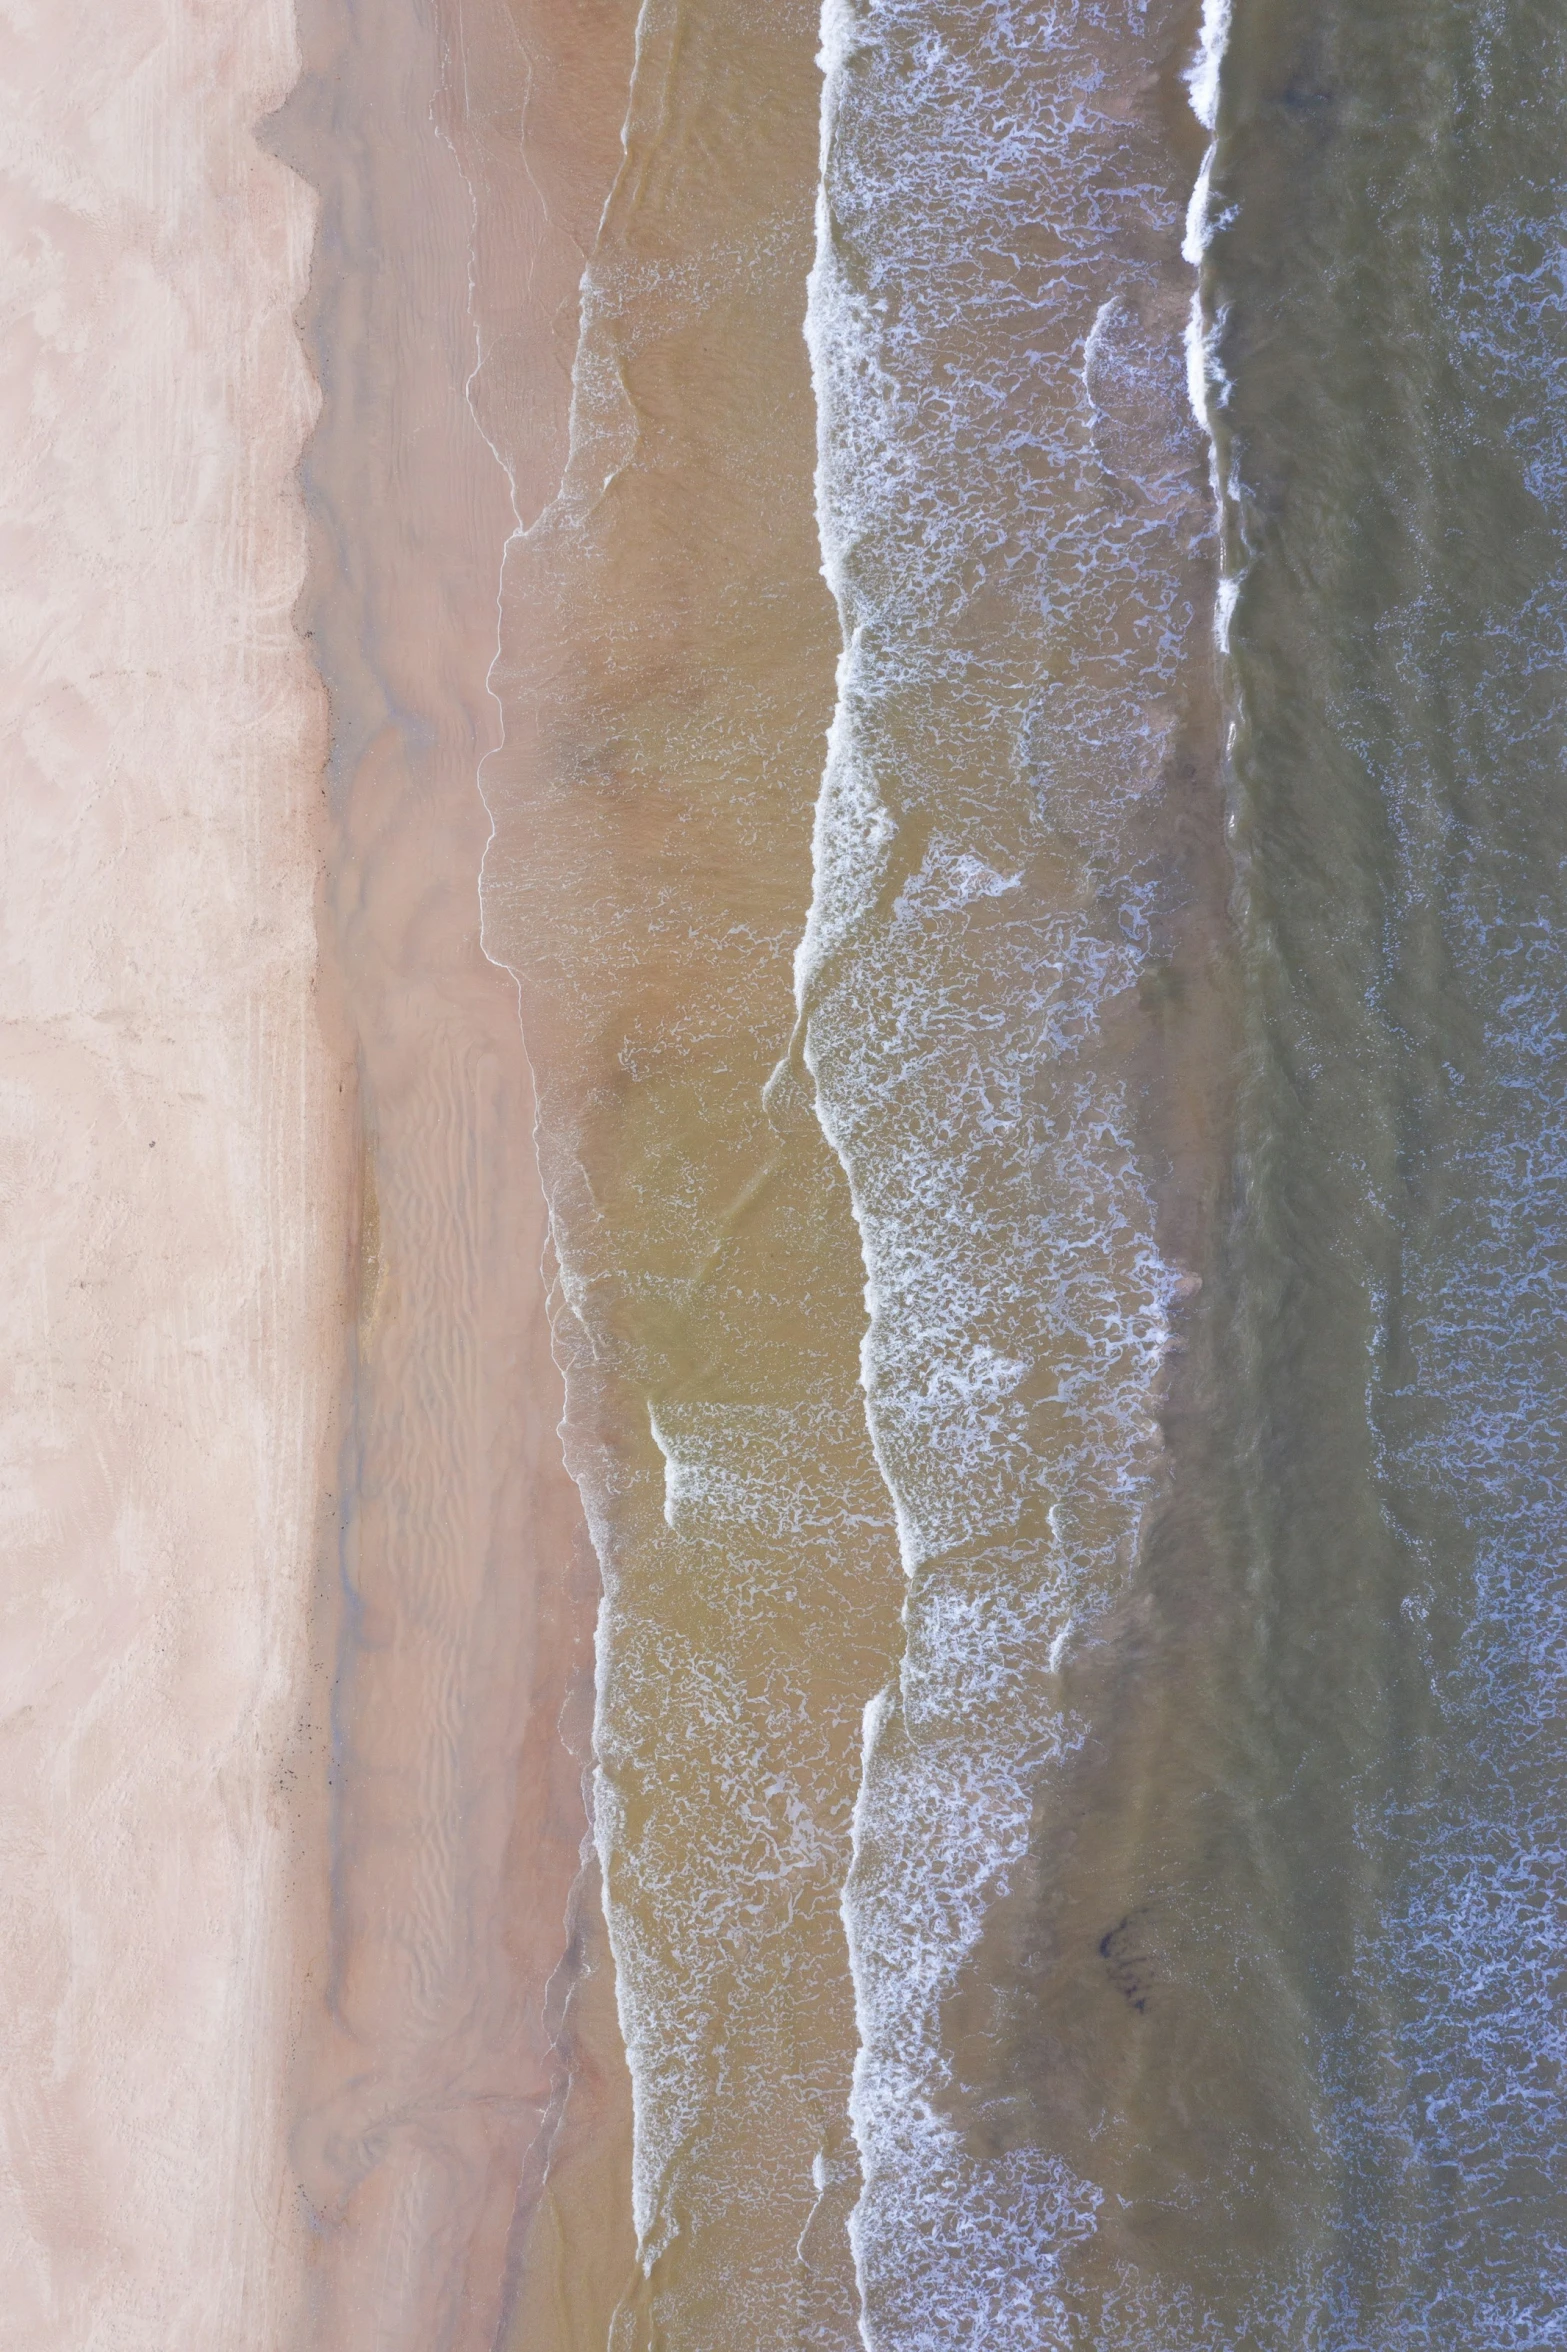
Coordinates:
(178,1167)
(534,105)
(431,2086)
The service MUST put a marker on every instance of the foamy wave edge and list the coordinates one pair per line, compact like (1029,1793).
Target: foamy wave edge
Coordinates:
(1208,388)
(1207,384)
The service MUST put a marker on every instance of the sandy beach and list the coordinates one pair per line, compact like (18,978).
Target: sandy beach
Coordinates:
(299,1641)
(178,1164)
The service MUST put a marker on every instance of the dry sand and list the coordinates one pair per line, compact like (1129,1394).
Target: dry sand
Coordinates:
(312,2025)
(177,1174)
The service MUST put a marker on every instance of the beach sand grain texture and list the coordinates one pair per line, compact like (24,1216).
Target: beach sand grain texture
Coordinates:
(173,1130)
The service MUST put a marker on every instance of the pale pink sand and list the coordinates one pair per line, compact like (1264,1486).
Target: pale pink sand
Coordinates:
(176,1181)
(298,1592)
(428,2073)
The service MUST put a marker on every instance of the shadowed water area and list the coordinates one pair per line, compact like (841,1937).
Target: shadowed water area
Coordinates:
(1389,292)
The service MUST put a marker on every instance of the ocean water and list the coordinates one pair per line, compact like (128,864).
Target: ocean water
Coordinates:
(665,671)
(1032,837)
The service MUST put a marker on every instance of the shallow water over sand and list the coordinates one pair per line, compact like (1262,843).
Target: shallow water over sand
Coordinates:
(667,665)
(1169,974)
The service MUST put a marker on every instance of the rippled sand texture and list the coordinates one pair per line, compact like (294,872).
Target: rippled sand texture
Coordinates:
(667,676)
(176,1175)
(429,2084)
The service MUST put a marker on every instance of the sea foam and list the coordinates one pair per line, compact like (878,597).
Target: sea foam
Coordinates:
(1022,566)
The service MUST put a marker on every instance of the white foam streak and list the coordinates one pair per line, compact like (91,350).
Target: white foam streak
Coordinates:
(1206,382)
(1203,75)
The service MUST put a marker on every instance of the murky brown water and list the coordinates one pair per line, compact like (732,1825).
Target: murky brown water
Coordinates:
(668,679)
(1025,828)
(667,676)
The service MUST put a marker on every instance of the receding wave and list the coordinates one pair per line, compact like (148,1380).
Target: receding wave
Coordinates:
(1015,528)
